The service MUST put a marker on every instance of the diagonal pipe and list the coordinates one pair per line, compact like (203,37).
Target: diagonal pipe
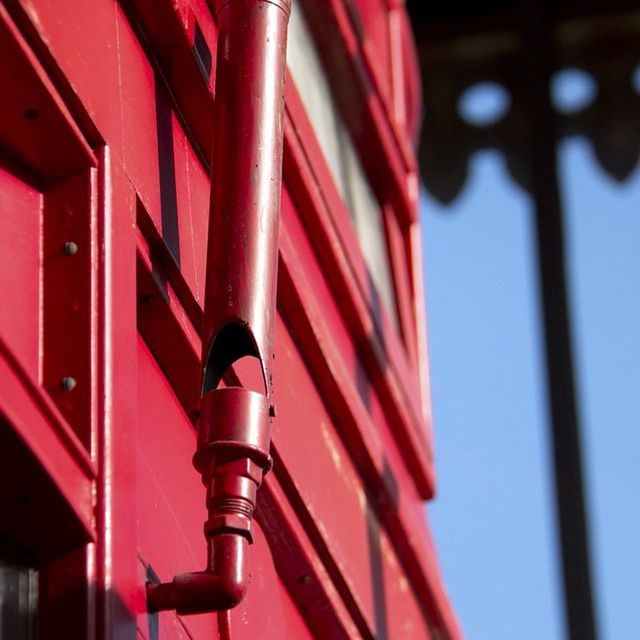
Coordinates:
(240,297)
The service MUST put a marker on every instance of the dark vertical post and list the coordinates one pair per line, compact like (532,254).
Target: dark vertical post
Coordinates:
(565,429)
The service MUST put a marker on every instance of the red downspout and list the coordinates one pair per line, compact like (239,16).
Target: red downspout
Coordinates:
(240,296)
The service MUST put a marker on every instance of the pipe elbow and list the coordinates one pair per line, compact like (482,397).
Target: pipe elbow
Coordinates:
(222,586)
(228,561)
(204,592)
(231,591)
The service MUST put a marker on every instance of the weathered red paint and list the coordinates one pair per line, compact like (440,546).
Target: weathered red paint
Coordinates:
(120,152)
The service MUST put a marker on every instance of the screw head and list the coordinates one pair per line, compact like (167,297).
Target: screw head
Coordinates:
(68,383)
(70,248)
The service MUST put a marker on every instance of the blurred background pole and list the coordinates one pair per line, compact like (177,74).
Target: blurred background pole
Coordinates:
(564,425)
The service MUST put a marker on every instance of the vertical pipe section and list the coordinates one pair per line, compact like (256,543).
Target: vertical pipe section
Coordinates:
(565,425)
(245,196)
(240,296)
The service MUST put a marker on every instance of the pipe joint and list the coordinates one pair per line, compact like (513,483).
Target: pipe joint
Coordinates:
(222,586)
(234,424)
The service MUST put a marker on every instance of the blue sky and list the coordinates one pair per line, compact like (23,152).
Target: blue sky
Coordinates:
(493,517)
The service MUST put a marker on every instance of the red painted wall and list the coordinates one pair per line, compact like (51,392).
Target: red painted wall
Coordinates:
(105,142)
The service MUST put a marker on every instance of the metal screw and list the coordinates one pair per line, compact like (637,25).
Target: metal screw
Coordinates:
(70,248)
(68,383)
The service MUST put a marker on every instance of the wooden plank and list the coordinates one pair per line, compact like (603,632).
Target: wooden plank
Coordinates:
(20,232)
(117,402)
(67,290)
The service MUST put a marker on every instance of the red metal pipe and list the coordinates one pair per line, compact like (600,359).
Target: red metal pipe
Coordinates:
(240,296)
(222,586)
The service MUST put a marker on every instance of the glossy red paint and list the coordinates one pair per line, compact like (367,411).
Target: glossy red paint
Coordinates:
(119,157)
(240,297)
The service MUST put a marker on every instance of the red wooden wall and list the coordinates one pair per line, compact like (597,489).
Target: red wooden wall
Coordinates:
(105,137)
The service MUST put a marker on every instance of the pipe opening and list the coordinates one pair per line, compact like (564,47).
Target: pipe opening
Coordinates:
(234,346)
